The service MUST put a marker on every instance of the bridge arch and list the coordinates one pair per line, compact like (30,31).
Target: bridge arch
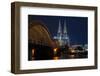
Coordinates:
(40,42)
(38,33)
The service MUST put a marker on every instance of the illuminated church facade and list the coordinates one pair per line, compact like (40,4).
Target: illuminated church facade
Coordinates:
(62,35)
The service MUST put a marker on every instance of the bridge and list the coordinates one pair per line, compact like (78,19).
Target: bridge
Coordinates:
(39,41)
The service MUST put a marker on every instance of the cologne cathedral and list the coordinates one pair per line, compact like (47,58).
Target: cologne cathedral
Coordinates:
(62,35)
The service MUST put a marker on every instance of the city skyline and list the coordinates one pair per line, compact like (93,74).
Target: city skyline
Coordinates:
(76,26)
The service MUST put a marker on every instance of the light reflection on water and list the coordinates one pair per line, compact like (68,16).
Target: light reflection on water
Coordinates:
(71,56)
(62,55)
(56,58)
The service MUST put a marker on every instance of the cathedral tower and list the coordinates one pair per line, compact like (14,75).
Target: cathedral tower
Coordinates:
(62,35)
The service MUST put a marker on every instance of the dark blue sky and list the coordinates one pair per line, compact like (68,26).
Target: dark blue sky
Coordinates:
(77,27)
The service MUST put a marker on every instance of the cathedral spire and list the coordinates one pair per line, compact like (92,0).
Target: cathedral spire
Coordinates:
(59,28)
(62,36)
(65,28)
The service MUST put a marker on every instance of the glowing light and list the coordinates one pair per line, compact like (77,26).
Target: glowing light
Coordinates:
(56,58)
(33,50)
(55,49)
(72,56)
(72,51)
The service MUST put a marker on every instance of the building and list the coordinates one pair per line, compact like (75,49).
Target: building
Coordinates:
(62,35)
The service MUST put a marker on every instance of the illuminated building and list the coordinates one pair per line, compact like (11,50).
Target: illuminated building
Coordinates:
(62,35)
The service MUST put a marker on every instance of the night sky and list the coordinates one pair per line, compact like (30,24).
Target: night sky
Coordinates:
(77,27)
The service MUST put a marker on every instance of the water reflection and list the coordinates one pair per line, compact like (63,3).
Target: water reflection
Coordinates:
(66,56)
(56,58)
(33,51)
(71,56)
(57,54)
